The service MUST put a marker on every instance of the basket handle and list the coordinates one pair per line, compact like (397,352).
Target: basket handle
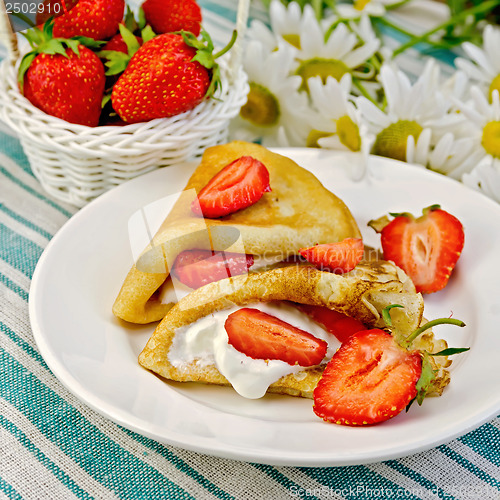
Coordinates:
(7,35)
(237,50)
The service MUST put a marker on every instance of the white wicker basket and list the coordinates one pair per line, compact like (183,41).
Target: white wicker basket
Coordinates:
(76,163)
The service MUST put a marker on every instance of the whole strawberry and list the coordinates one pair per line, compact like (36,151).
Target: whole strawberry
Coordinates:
(63,78)
(96,19)
(166,16)
(170,74)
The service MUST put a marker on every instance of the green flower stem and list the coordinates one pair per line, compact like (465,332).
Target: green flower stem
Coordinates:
(478,9)
(393,26)
(357,83)
(430,324)
(396,5)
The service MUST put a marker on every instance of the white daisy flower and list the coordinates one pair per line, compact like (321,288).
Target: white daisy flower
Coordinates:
(338,125)
(452,156)
(358,8)
(416,117)
(485,178)
(484,69)
(342,53)
(485,117)
(286,25)
(276,113)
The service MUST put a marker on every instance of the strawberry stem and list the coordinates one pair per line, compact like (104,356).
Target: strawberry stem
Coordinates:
(386,315)
(430,324)
(228,47)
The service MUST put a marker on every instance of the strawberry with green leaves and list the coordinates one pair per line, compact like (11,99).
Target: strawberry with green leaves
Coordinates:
(63,77)
(170,74)
(373,377)
(426,248)
(167,16)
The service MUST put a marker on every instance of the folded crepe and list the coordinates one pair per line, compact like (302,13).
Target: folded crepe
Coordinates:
(362,294)
(299,212)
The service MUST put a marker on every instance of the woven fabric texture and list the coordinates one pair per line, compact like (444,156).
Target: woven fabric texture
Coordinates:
(54,447)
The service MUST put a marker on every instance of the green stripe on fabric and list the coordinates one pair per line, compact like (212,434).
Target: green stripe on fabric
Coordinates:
(31,191)
(22,344)
(24,221)
(7,282)
(473,469)
(106,461)
(428,487)
(295,490)
(179,463)
(220,10)
(19,252)
(6,488)
(485,441)
(43,459)
(13,149)
(358,483)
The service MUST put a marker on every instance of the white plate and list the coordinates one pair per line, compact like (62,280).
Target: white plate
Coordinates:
(95,356)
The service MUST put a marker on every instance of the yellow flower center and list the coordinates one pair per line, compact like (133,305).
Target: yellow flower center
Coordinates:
(262,108)
(348,133)
(322,68)
(491,139)
(361,4)
(495,85)
(293,40)
(391,142)
(314,136)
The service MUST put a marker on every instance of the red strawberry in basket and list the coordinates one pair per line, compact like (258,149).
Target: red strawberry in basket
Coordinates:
(53,8)
(170,74)
(262,336)
(195,268)
(339,258)
(96,19)
(237,186)
(63,78)
(427,248)
(166,16)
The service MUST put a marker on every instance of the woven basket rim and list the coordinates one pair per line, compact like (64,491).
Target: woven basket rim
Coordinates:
(9,91)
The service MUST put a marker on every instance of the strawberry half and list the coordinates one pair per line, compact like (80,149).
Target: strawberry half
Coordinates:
(166,16)
(338,258)
(427,248)
(334,322)
(195,268)
(368,380)
(262,336)
(237,186)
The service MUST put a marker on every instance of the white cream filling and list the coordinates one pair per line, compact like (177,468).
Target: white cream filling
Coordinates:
(205,342)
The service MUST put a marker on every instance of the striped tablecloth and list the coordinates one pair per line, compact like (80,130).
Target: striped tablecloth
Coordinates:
(53,446)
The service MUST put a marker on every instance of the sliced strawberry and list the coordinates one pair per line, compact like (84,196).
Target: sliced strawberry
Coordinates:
(334,322)
(338,258)
(369,379)
(262,336)
(427,248)
(237,186)
(195,268)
